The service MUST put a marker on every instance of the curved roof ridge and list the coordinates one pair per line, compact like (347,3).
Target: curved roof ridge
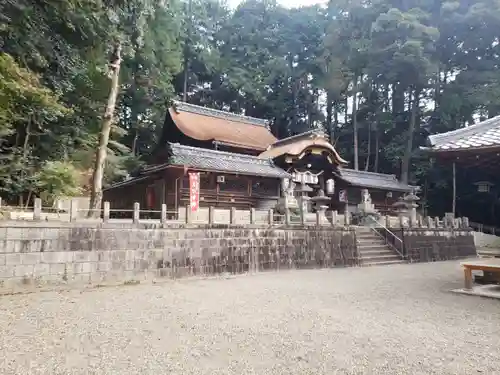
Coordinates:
(193,108)
(293,138)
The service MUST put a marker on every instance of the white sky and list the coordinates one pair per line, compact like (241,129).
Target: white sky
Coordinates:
(287,3)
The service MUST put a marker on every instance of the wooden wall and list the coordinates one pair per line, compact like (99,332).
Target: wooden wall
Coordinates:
(171,186)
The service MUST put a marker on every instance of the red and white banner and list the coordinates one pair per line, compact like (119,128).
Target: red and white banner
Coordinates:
(194,190)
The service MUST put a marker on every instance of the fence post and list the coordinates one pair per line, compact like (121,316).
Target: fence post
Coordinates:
(287,212)
(333,214)
(37,209)
(252,215)
(271,217)
(106,209)
(136,214)
(232,215)
(211,215)
(73,210)
(465,222)
(302,213)
(163,217)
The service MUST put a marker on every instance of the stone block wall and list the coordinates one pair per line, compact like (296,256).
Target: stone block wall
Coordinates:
(37,254)
(433,244)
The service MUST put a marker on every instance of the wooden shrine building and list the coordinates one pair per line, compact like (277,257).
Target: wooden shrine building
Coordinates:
(242,165)
(473,154)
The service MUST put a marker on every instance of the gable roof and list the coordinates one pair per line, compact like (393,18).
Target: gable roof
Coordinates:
(482,135)
(209,160)
(373,180)
(205,124)
(297,144)
(222,161)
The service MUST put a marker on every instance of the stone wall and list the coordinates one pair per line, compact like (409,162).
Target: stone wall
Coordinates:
(38,254)
(433,244)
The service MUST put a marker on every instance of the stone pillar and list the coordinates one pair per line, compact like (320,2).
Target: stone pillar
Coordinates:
(437,222)
(287,214)
(413,216)
(106,212)
(211,215)
(347,218)
(387,221)
(271,216)
(252,215)
(163,217)
(37,209)
(136,215)
(232,215)
(448,219)
(465,222)
(302,212)
(73,210)
(429,222)
(189,217)
(402,221)
(318,218)
(334,218)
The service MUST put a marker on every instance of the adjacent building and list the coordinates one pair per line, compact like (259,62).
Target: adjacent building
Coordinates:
(473,154)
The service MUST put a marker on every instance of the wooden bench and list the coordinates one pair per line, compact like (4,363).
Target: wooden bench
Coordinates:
(486,265)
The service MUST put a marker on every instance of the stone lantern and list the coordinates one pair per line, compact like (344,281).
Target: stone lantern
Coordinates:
(411,200)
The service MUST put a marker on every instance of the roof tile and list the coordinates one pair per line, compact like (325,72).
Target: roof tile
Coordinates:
(373,180)
(220,161)
(484,134)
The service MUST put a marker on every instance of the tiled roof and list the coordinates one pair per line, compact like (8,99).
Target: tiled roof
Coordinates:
(296,144)
(483,135)
(204,159)
(206,124)
(373,180)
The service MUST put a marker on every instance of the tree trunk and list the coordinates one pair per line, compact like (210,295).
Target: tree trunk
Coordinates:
(369,147)
(377,146)
(355,122)
(405,165)
(329,111)
(101,152)
(187,52)
(134,142)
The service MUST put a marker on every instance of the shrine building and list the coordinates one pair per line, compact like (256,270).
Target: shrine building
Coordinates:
(242,165)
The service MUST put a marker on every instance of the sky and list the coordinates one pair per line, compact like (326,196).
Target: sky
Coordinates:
(287,3)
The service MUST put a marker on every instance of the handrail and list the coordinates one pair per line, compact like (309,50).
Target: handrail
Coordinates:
(487,229)
(391,233)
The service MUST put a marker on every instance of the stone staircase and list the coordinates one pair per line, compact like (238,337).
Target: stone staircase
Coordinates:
(373,250)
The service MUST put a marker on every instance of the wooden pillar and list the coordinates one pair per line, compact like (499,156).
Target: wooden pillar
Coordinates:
(468,278)
(454,203)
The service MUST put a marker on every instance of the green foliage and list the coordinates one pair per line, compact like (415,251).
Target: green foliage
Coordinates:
(57,179)
(301,68)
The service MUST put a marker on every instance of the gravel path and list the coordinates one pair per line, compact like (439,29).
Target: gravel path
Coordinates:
(382,320)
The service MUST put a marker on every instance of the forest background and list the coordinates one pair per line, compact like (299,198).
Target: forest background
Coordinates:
(377,76)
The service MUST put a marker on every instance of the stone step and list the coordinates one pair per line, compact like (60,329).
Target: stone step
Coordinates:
(366,238)
(380,246)
(382,263)
(371,242)
(372,252)
(375,258)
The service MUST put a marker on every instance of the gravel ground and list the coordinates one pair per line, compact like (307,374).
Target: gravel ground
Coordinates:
(383,320)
